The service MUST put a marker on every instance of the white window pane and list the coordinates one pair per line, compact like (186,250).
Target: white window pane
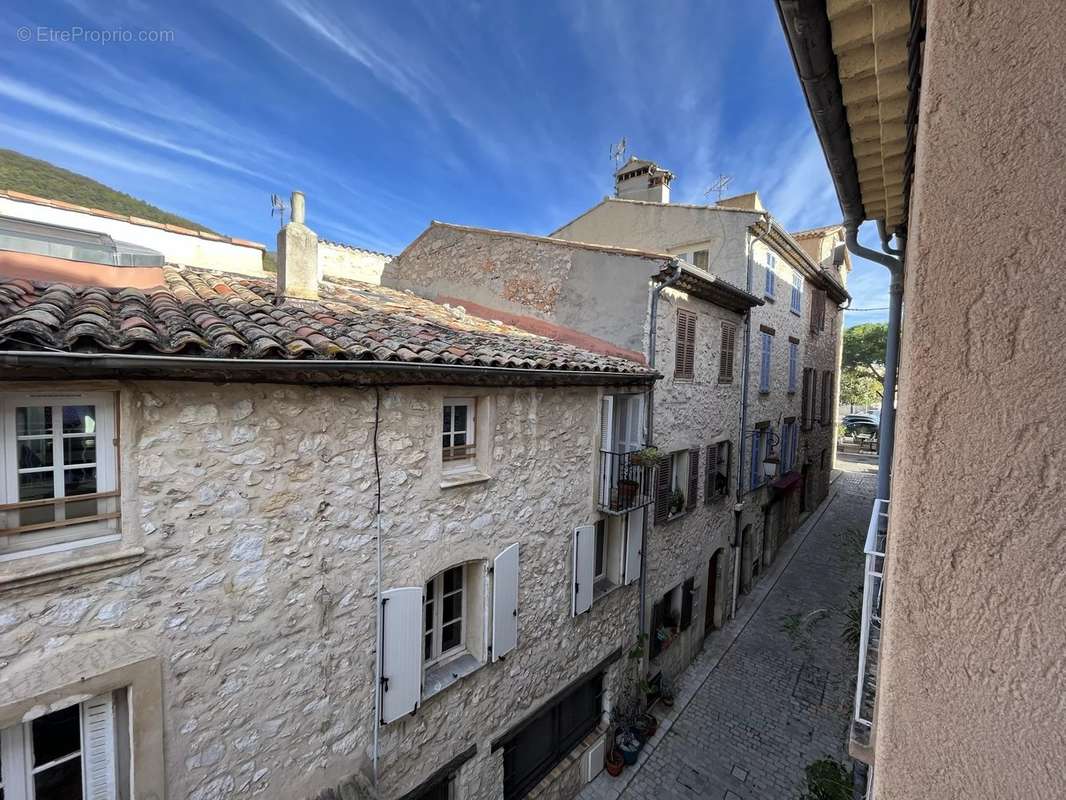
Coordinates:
(34,453)
(79,419)
(33,421)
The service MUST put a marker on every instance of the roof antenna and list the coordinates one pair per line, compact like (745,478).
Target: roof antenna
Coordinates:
(278,208)
(718,187)
(618,152)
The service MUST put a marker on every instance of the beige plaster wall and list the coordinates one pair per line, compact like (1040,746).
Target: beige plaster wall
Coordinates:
(254,504)
(972,688)
(354,263)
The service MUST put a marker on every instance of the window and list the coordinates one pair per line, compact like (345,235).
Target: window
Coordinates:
(443,615)
(760,441)
(771,277)
(728,353)
(458,443)
(719,456)
(788,445)
(827,392)
(70,753)
(677,484)
(764,367)
(670,616)
(817,310)
(805,402)
(793,364)
(796,306)
(601,551)
(548,738)
(685,351)
(701,259)
(54,448)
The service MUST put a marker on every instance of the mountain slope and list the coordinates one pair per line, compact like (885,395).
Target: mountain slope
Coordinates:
(33,176)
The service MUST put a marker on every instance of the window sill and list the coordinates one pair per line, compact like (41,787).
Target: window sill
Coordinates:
(71,569)
(440,676)
(450,480)
(602,588)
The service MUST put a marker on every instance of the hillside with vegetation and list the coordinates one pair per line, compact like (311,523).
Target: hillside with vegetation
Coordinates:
(33,176)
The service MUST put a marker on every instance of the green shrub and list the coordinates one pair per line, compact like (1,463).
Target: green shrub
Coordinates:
(828,779)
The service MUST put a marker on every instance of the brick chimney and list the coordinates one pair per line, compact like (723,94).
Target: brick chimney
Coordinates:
(297,256)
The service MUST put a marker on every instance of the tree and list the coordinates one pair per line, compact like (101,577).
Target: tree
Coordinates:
(859,389)
(864,351)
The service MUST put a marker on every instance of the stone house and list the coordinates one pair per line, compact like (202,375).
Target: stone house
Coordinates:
(682,321)
(322,532)
(789,346)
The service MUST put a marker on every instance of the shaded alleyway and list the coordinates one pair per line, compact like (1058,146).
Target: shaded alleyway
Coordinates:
(771,691)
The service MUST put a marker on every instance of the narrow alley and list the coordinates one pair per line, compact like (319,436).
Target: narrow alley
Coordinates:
(771,691)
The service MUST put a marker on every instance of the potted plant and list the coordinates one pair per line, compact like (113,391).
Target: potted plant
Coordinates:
(626,492)
(647,457)
(615,763)
(677,502)
(647,724)
(666,694)
(628,743)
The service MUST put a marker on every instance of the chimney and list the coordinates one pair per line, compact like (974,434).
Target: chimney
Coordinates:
(638,179)
(297,256)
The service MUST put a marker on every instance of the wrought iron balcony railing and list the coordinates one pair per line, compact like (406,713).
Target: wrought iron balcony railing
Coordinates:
(862,722)
(625,483)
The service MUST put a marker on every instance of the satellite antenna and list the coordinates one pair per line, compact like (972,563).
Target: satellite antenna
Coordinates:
(718,187)
(278,208)
(618,152)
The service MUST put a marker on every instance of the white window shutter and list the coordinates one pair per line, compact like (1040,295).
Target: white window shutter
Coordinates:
(505,602)
(98,748)
(634,545)
(400,652)
(642,420)
(607,422)
(584,567)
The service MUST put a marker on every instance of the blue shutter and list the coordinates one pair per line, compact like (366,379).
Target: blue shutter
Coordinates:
(764,372)
(755,471)
(793,358)
(795,442)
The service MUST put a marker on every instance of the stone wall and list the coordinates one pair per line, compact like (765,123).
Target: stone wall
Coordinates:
(255,504)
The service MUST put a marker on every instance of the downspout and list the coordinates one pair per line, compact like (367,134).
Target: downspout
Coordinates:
(738,509)
(894,263)
(650,403)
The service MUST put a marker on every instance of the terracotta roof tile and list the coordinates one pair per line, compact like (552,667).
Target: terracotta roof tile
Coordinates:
(198,313)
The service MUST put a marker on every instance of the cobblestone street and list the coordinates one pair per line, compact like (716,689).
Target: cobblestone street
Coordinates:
(771,691)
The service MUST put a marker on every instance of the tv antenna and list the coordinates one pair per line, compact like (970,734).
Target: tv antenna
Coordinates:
(618,152)
(718,187)
(278,208)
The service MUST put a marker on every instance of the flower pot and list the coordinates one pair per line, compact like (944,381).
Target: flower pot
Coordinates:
(615,763)
(648,725)
(627,493)
(667,699)
(628,743)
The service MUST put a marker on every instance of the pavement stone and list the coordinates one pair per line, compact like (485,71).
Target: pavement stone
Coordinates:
(772,690)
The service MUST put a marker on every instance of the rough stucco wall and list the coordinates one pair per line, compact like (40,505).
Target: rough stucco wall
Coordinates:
(688,414)
(601,294)
(255,504)
(972,688)
(353,263)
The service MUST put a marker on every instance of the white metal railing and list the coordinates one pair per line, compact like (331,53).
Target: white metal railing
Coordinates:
(870,635)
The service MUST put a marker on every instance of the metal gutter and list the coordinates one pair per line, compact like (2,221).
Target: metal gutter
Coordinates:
(251,369)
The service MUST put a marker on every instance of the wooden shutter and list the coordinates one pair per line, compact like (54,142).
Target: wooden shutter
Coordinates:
(727,355)
(686,603)
(98,748)
(505,602)
(806,398)
(708,482)
(584,567)
(693,477)
(400,651)
(685,352)
(634,545)
(662,489)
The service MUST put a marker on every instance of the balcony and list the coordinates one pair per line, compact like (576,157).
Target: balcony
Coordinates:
(861,741)
(625,483)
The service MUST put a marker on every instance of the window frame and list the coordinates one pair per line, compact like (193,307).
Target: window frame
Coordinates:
(685,345)
(468,461)
(679,480)
(60,534)
(601,547)
(770,285)
(796,302)
(706,259)
(436,628)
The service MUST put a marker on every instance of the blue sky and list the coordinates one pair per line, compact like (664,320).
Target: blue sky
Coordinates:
(390,114)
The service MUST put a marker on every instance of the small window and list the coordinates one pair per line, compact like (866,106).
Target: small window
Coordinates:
(679,467)
(805,401)
(685,350)
(771,276)
(458,445)
(764,367)
(609,556)
(701,259)
(58,472)
(796,306)
(718,468)
(793,365)
(760,441)
(728,352)
(601,550)
(69,752)
(444,606)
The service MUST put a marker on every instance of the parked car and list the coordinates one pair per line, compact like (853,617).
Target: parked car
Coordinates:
(852,418)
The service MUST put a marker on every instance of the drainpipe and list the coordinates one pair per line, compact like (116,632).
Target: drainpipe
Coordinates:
(894,263)
(738,511)
(653,313)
